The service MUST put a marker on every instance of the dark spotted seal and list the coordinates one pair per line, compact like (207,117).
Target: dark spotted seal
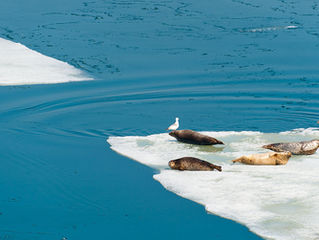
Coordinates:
(192,164)
(189,136)
(270,158)
(296,148)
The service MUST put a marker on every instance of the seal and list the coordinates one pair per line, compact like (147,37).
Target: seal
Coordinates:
(189,136)
(265,158)
(192,164)
(296,148)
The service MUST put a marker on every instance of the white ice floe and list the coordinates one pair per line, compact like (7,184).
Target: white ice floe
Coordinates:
(20,65)
(276,202)
(268,29)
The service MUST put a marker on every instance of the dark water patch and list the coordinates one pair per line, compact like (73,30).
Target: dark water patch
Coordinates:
(6,234)
(193,21)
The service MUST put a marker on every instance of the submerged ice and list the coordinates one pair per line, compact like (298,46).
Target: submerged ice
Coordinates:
(20,65)
(276,202)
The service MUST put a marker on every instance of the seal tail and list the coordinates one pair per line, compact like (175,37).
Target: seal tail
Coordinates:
(218,168)
(216,141)
(237,160)
(269,146)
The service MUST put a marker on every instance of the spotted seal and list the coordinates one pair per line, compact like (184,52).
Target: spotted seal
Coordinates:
(296,148)
(270,158)
(189,136)
(192,164)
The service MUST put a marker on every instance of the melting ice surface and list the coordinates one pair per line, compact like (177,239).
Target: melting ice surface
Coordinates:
(276,202)
(20,65)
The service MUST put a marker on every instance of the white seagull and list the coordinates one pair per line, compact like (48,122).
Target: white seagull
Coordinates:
(174,126)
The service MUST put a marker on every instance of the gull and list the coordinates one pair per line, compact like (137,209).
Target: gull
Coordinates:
(174,126)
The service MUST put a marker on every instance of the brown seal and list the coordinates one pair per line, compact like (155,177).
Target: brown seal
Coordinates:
(296,148)
(192,164)
(265,158)
(189,136)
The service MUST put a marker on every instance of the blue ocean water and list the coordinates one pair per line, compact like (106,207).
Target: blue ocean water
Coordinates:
(226,65)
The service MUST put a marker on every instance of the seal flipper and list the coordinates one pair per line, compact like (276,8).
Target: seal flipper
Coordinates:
(269,146)
(219,142)
(238,160)
(218,168)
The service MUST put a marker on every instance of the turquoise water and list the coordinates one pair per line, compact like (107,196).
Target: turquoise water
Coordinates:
(227,65)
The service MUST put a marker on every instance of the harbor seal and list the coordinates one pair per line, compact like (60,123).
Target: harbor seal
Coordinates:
(189,136)
(192,164)
(265,158)
(296,148)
